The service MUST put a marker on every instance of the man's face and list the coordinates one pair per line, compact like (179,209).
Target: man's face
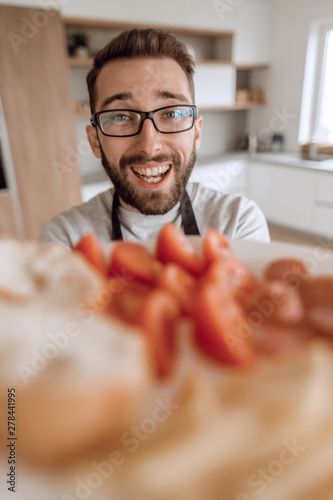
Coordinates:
(145,84)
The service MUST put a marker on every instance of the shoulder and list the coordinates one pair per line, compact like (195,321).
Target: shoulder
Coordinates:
(68,226)
(233,214)
(201,195)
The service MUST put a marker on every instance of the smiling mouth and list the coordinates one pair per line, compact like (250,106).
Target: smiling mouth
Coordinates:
(151,175)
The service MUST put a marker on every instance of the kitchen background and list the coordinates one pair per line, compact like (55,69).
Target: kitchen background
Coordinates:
(262,67)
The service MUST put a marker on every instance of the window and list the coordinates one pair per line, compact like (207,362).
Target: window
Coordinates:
(316,122)
(325,108)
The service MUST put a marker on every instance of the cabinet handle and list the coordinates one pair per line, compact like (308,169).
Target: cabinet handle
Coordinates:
(325,204)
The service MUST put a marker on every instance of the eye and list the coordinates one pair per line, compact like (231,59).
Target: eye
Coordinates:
(173,113)
(178,113)
(117,117)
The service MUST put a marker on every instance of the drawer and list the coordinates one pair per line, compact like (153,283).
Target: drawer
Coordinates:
(323,220)
(323,192)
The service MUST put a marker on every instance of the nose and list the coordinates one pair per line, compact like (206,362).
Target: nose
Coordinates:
(149,140)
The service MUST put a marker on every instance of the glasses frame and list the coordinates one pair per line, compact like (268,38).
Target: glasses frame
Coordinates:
(95,119)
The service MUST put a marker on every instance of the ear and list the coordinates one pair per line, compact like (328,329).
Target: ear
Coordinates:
(93,140)
(197,129)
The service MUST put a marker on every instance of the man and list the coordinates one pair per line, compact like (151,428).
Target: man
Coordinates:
(146,130)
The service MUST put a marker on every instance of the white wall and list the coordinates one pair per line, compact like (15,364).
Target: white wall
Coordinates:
(291,21)
(194,13)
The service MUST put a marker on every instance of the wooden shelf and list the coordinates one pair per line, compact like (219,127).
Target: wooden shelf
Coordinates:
(216,62)
(251,67)
(235,107)
(121,25)
(85,62)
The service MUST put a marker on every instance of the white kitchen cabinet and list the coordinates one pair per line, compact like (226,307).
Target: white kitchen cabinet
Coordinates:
(323,203)
(251,42)
(291,195)
(227,173)
(260,185)
(215,85)
(294,197)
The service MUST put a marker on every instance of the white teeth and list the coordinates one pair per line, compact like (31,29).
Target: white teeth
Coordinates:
(154,179)
(154,171)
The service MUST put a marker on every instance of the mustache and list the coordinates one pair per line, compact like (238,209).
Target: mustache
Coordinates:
(127,161)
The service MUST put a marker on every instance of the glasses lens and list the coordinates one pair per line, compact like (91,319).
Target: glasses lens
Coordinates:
(174,118)
(119,122)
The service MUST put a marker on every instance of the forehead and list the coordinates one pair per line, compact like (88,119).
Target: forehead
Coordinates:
(143,78)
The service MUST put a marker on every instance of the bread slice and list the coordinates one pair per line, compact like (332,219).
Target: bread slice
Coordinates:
(46,272)
(80,376)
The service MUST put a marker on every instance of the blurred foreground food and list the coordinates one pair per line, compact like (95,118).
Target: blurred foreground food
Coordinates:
(174,374)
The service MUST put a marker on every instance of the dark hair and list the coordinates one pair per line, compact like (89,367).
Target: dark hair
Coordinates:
(141,43)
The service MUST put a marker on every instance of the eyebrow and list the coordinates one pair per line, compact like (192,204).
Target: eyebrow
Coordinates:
(124,96)
(165,94)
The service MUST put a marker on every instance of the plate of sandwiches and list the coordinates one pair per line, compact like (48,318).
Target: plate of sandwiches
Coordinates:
(174,369)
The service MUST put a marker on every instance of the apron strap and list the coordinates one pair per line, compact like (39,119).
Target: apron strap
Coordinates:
(116,229)
(188,217)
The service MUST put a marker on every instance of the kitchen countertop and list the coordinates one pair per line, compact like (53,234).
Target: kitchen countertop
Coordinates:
(292,160)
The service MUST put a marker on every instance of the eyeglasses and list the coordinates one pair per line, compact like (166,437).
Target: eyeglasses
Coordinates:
(129,122)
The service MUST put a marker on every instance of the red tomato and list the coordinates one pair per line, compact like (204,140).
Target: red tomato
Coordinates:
(181,284)
(320,317)
(230,274)
(272,301)
(289,270)
(157,315)
(317,291)
(136,261)
(215,246)
(275,339)
(173,246)
(126,298)
(221,328)
(91,248)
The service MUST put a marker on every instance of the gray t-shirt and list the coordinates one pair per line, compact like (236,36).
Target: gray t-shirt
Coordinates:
(233,215)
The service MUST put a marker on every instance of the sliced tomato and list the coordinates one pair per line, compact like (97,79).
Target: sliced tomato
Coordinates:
(221,328)
(275,339)
(215,246)
(317,291)
(126,298)
(320,317)
(92,250)
(157,316)
(231,275)
(272,301)
(134,260)
(289,270)
(183,286)
(174,246)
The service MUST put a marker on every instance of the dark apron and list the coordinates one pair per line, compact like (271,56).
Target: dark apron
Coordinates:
(188,218)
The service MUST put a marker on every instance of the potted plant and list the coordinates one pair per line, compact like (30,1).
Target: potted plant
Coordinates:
(78,44)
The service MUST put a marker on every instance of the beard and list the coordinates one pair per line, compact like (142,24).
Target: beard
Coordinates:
(149,202)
